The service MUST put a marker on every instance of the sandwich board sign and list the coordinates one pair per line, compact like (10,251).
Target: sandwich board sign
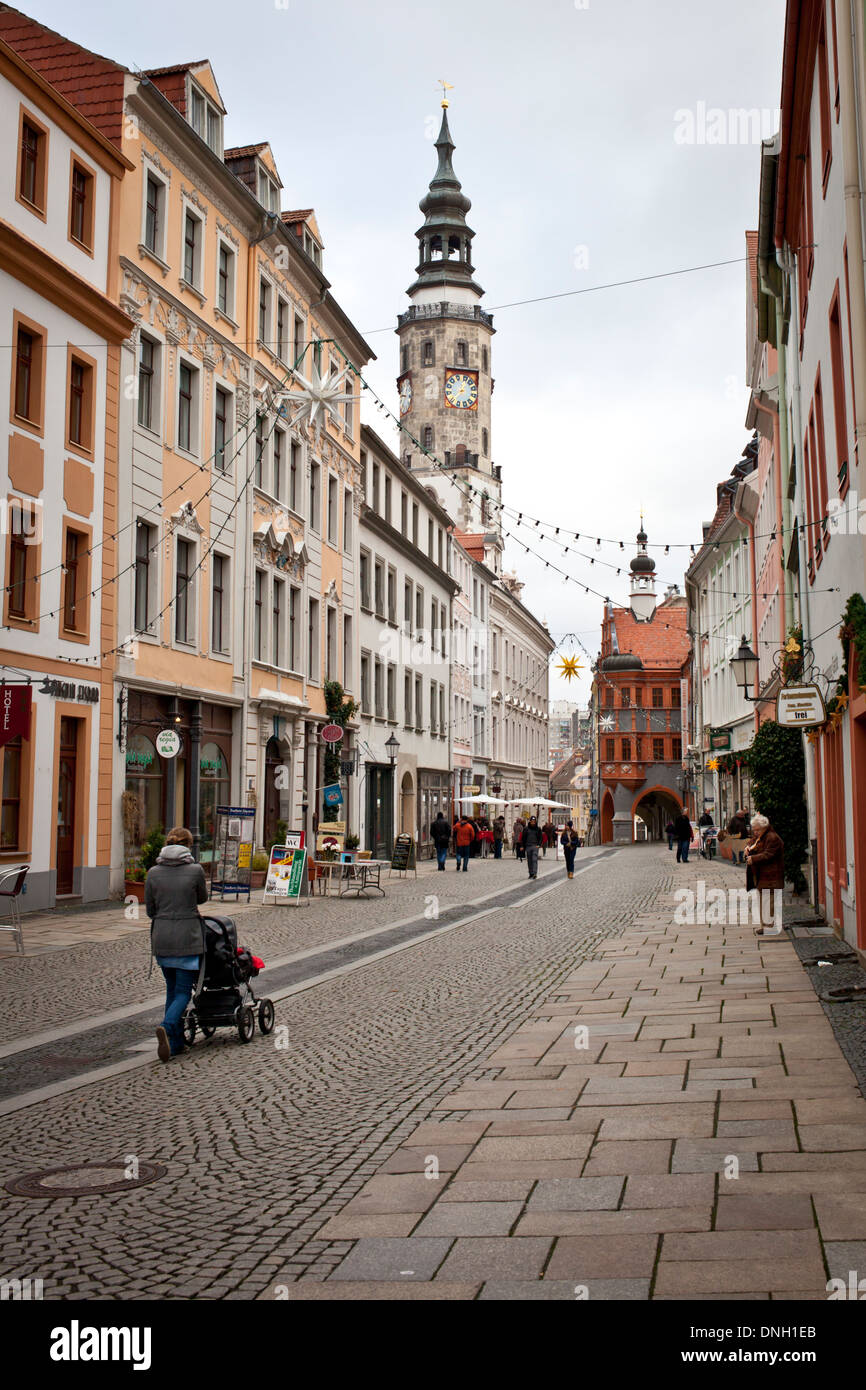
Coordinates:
(403,855)
(287,879)
(800,707)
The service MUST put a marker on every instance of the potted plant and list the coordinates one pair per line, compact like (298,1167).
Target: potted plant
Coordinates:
(352,841)
(259,869)
(137,872)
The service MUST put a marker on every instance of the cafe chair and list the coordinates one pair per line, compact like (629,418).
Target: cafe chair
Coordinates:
(11,885)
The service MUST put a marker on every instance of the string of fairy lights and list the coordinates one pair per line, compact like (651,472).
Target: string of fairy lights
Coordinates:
(564,539)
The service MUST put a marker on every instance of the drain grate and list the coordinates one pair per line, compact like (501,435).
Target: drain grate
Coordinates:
(86,1179)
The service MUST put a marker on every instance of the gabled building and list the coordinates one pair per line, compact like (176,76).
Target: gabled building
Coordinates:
(641,695)
(60,374)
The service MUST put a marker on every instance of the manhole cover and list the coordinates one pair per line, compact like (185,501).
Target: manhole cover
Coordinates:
(86,1179)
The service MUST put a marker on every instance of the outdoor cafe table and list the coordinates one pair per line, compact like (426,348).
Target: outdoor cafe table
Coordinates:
(364,873)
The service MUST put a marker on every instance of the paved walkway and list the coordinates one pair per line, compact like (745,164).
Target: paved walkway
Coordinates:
(674,1121)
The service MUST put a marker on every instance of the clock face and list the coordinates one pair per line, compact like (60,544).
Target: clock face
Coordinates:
(404,386)
(461,390)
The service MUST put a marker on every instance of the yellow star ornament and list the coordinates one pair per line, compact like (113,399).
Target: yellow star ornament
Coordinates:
(842,701)
(570,667)
(713,765)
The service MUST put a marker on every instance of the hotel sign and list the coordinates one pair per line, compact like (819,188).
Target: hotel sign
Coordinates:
(16,702)
(800,707)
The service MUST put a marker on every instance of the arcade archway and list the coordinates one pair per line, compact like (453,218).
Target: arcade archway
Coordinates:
(655,807)
(606,819)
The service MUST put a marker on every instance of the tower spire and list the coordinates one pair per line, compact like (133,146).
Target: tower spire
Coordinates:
(444,239)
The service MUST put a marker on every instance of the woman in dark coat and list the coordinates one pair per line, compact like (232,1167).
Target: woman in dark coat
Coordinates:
(173,889)
(765,860)
(683,837)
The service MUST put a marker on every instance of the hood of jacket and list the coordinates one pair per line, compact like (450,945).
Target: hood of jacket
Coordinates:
(175,854)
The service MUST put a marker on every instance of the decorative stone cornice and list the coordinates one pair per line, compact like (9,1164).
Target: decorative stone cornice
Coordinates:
(154,158)
(192,197)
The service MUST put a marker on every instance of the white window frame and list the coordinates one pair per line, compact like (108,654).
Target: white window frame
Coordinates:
(264,175)
(264,342)
(223,244)
(155,427)
(183,359)
(189,209)
(195,90)
(153,579)
(225,651)
(157,253)
(191,593)
(333,512)
(348,518)
(220,385)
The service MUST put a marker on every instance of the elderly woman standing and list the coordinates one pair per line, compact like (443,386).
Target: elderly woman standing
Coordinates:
(173,889)
(765,857)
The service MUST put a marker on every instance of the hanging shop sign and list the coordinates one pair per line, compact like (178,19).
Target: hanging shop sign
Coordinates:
(16,704)
(68,690)
(167,743)
(332,733)
(720,739)
(333,795)
(474,790)
(800,707)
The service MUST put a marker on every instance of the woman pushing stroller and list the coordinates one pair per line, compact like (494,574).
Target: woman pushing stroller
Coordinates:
(173,889)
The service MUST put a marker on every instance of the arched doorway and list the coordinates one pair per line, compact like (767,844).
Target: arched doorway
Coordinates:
(271,793)
(606,819)
(407,805)
(655,807)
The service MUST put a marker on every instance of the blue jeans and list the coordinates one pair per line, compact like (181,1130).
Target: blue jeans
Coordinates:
(568,850)
(441,855)
(179,985)
(497,849)
(463,853)
(683,851)
(670,841)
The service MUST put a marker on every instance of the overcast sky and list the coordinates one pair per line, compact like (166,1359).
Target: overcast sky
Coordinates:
(564,114)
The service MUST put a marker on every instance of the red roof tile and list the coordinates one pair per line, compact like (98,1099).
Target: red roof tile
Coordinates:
(300,215)
(472,544)
(90,82)
(661,643)
(174,67)
(243,151)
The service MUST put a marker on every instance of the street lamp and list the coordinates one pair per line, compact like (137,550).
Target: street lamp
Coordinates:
(745,668)
(392,747)
(495,781)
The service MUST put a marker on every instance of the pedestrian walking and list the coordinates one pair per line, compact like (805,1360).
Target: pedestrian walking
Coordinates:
(173,889)
(498,836)
(532,839)
(440,834)
(517,837)
(683,837)
(738,829)
(463,838)
(765,871)
(570,843)
(669,831)
(548,831)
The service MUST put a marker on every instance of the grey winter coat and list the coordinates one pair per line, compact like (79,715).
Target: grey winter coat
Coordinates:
(532,837)
(172,891)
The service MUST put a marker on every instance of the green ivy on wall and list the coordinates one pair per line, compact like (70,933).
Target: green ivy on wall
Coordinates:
(340,711)
(778,768)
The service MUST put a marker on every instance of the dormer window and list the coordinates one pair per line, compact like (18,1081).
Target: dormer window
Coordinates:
(312,249)
(206,119)
(269,194)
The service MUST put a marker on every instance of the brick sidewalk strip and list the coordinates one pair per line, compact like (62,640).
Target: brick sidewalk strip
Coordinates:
(705,1137)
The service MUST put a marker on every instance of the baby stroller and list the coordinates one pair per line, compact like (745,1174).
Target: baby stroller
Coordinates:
(224,997)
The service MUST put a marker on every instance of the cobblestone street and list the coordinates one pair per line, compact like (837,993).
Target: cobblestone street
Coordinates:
(290,1164)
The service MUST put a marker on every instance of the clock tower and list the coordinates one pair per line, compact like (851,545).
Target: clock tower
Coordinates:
(445,382)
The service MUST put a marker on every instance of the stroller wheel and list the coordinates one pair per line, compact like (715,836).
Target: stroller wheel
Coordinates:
(208,1029)
(266,1016)
(246,1021)
(189,1029)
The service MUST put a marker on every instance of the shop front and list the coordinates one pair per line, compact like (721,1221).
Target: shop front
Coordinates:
(379,819)
(175,780)
(434,795)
